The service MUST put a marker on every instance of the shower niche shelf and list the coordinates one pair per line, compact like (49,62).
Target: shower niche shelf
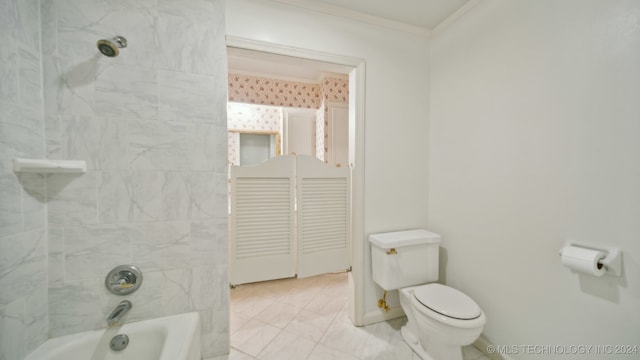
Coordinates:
(46,166)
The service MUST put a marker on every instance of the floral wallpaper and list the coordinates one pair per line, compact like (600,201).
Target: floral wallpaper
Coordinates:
(253,117)
(249,117)
(264,91)
(259,90)
(335,90)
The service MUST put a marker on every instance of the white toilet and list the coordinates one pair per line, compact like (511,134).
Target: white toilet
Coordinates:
(441,319)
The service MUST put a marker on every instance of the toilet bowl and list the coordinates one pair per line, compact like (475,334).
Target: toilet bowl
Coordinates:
(440,319)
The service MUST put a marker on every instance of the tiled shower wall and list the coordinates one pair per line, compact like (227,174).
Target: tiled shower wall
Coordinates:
(23,277)
(151,125)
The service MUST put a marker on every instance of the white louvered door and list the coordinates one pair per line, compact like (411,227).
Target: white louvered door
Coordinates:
(262,221)
(323,227)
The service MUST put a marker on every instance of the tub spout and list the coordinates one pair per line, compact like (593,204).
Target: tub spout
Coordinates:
(119,312)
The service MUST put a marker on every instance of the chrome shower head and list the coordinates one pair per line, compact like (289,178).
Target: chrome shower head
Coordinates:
(110,47)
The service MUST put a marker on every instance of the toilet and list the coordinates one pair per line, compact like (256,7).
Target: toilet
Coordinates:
(440,319)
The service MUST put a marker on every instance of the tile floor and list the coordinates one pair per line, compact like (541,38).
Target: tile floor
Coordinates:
(299,319)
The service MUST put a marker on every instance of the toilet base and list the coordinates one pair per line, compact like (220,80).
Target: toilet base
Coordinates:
(448,353)
(413,343)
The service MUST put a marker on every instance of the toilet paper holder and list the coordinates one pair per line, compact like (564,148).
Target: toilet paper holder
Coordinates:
(612,262)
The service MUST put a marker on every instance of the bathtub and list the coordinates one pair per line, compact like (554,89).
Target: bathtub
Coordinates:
(175,337)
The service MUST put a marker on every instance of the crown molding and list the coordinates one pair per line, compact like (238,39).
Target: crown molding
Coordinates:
(357,16)
(455,16)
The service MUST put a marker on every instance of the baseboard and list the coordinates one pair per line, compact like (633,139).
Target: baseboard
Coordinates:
(375,316)
(483,343)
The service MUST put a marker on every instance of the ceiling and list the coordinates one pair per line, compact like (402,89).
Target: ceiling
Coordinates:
(422,14)
(417,16)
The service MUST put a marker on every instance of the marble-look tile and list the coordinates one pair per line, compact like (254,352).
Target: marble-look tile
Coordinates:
(69,85)
(194,10)
(91,251)
(196,53)
(202,205)
(48,27)
(83,22)
(175,191)
(72,199)
(327,303)
(347,338)
(30,79)
(55,259)
(53,137)
(21,133)
(12,330)
(237,321)
(23,264)
(145,196)
(250,306)
(208,242)
(141,31)
(185,97)
(321,352)
(287,346)
(301,297)
(204,292)
(215,331)
(77,306)
(221,196)
(8,66)
(278,314)
(253,337)
(129,91)
(11,204)
(385,341)
(178,287)
(234,354)
(309,325)
(98,140)
(155,145)
(33,200)
(27,26)
(36,318)
(162,293)
(148,301)
(162,246)
(130,196)
(207,149)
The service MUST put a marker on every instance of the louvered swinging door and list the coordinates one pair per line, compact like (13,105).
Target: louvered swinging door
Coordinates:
(262,221)
(323,210)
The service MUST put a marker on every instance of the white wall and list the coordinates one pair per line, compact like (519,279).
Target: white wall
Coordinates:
(396,104)
(533,141)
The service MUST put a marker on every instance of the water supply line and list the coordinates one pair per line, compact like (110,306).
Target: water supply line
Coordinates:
(382,303)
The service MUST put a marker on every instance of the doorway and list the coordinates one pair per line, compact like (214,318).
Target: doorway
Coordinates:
(282,57)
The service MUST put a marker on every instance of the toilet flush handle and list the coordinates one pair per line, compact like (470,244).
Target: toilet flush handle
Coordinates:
(392,251)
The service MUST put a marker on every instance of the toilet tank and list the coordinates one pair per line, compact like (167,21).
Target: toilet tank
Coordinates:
(404,258)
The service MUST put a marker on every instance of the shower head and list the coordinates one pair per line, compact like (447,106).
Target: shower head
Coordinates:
(109,47)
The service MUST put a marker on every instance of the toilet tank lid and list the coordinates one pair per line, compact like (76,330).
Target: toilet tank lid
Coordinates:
(404,238)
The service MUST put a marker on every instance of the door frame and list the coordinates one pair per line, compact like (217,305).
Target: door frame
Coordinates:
(356,155)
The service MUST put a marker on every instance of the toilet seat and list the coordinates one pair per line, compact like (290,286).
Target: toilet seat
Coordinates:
(446,301)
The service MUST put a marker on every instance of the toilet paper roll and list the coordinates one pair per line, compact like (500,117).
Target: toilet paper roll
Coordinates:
(583,260)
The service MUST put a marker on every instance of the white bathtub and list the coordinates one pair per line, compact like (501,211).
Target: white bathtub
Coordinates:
(174,337)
